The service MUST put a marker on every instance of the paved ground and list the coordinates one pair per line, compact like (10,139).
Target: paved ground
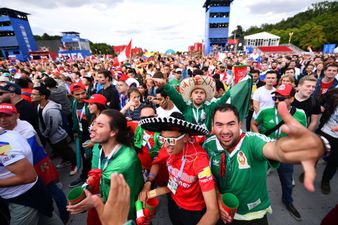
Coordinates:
(312,206)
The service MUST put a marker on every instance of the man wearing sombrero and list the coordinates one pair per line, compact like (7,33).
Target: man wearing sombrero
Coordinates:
(193,196)
(195,96)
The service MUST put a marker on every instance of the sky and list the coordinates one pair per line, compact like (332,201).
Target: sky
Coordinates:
(153,25)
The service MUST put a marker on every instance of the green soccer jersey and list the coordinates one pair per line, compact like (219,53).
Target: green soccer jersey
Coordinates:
(245,174)
(126,162)
(268,118)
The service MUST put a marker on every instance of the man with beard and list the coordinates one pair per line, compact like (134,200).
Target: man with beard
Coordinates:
(115,156)
(239,160)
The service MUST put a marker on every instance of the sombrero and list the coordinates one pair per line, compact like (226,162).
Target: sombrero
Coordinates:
(205,83)
(172,123)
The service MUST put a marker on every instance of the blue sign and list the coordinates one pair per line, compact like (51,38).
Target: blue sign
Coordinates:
(329,48)
(75,54)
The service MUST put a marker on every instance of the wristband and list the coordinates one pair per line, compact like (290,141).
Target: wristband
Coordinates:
(326,143)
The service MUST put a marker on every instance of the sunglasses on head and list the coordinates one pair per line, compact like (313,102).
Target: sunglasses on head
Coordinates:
(170,141)
(280,98)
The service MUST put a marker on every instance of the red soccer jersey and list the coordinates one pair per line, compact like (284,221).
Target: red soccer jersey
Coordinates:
(325,87)
(195,179)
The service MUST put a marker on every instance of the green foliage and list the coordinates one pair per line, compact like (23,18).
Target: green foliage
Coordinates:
(101,48)
(314,27)
(46,37)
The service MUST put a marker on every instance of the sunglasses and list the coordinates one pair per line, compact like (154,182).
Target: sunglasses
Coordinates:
(280,98)
(170,141)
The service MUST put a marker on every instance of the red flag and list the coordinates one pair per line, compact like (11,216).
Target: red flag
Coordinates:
(116,62)
(125,54)
(128,49)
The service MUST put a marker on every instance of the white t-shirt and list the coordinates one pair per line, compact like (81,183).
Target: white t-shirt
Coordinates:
(264,97)
(13,147)
(166,113)
(332,122)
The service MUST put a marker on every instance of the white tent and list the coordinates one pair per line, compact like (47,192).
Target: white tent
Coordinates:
(261,39)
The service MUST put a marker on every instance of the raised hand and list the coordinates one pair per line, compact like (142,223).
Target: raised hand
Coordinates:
(300,145)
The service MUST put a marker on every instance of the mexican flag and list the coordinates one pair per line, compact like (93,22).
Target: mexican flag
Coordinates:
(240,96)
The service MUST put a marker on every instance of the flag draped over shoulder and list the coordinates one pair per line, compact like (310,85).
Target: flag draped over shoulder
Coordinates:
(240,96)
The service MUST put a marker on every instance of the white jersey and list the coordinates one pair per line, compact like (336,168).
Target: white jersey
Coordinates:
(13,147)
(166,113)
(264,97)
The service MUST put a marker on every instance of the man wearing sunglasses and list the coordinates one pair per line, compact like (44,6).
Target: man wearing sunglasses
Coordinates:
(193,196)
(268,122)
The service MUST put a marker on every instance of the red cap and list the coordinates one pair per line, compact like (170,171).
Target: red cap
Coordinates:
(8,109)
(77,86)
(124,77)
(97,98)
(285,90)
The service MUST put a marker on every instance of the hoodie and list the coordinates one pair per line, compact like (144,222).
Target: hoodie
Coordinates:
(51,115)
(59,95)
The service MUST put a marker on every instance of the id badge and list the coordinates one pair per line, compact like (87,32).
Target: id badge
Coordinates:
(80,127)
(172,185)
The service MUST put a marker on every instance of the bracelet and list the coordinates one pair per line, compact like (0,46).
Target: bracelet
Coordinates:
(326,143)
(151,175)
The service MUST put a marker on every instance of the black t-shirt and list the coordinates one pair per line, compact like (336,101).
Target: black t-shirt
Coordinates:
(84,121)
(43,125)
(28,113)
(310,106)
(112,97)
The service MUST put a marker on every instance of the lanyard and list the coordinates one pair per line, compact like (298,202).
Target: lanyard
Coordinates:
(277,132)
(111,155)
(195,113)
(181,169)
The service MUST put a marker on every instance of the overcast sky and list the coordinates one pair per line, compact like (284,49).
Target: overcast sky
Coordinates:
(154,25)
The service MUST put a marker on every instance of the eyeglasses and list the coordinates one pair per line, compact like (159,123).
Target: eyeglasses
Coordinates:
(280,98)
(170,141)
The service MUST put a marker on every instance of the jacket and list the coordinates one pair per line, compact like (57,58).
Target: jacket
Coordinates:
(51,115)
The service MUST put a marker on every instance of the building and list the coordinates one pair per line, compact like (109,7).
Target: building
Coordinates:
(16,37)
(267,43)
(217,14)
(74,46)
(261,39)
(196,48)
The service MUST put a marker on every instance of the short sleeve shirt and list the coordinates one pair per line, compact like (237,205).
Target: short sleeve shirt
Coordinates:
(245,175)
(268,118)
(195,179)
(13,147)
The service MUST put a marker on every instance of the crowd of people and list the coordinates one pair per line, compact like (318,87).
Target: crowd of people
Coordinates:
(174,121)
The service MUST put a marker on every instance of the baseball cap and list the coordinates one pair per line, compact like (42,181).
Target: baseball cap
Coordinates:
(8,109)
(4,79)
(77,86)
(132,82)
(97,98)
(10,87)
(178,70)
(124,77)
(285,90)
